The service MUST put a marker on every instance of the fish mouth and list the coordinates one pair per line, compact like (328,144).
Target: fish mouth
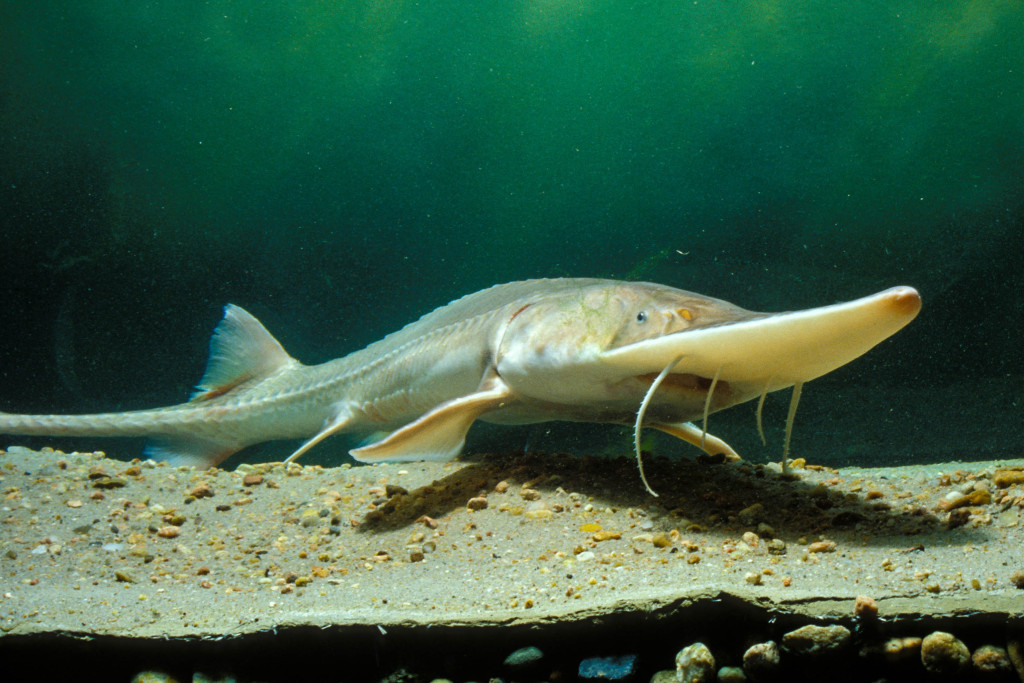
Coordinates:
(685,381)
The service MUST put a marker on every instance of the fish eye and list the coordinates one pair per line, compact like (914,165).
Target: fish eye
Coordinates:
(641,316)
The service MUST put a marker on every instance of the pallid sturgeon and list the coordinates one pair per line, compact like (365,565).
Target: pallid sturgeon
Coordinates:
(583,350)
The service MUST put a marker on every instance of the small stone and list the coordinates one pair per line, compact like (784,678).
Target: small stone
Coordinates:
(124,577)
(822,547)
(751,539)
(776,546)
(663,676)
(204,490)
(392,490)
(761,661)
(252,480)
(898,650)
(1007,478)
(501,486)
(753,578)
(109,483)
(606,536)
(168,531)
(477,503)
(539,510)
(428,522)
(607,668)
(731,674)
(524,658)
(991,660)
(944,653)
(1017,579)
(979,497)
(154,677)
(416,556)
(813,640)
(529,494)
(695,664)
(661,540)
(865,607)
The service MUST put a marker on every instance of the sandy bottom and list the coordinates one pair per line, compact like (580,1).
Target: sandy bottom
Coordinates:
(99,548)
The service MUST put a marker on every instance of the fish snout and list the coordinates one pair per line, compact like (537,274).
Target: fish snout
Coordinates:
(903,301)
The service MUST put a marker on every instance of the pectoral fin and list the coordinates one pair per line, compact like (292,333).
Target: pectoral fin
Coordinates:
(691,433)
(440,433)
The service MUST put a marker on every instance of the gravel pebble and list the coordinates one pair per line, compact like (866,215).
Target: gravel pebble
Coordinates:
(761,661)
(695,664)
(524,658)
(813,640)
(731,674)
(607,668)
(991,660)
(865,607)
(944,653)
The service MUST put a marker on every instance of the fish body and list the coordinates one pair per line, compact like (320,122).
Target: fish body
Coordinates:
(584,350)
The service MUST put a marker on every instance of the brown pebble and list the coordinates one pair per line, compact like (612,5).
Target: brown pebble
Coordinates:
(105,482)
(661,540)
(991,660)
(416,556)
(762,661)
(1017,579)
(606,536)
(1006,478)
(477,503)
(252,480)
(865,607)
(168,531)
(822,547)
(897,650)
(813,640)
(501,487)
(74,503)
(202,571)
(204,490)
(429,522)
(944,653)
(529,494)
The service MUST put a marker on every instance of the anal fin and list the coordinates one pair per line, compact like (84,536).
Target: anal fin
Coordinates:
(191,451)
(440,433)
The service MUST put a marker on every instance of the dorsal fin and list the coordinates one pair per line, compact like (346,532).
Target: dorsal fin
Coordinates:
(241,350)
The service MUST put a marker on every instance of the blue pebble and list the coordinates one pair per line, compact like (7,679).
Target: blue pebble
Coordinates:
(608,668)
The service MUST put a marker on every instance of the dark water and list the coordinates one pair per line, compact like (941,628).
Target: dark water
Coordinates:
(341,168)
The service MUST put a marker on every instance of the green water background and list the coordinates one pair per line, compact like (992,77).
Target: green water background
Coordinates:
(341,168)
